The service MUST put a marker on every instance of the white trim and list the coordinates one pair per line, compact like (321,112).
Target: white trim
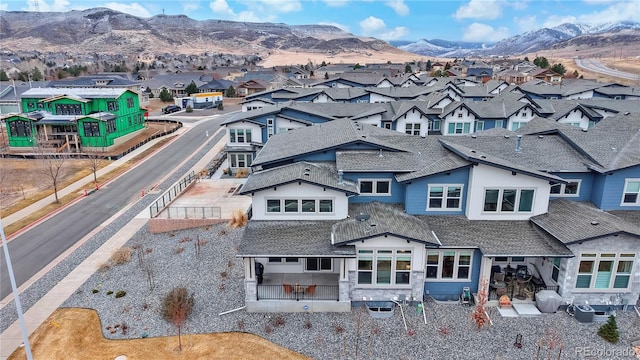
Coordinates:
(374,183)
(456,265)
(626,182)
(563,188)
(516,203)
(445,188)
(614,271)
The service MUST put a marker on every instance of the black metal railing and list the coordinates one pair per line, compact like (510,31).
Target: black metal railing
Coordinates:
(298,292)
(171,194)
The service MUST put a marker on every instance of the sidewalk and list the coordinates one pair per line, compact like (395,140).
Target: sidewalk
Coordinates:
(11,338)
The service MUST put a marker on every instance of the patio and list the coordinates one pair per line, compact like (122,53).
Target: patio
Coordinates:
(305,286)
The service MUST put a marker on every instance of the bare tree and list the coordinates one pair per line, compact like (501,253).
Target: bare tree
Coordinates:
(52,164)
(94,162)
(176,307)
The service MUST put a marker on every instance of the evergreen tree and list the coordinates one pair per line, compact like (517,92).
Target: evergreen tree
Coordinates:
(231,92)
(447,66)
(36,75)
(407,69)
(3,76)
(559,68)
(575,74)
(526,58)
(541,62)
(428,66)
(165,96)
(326,76)
(609,331)
(191,88)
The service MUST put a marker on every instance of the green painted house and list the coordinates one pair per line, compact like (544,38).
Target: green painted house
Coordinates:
(74,119)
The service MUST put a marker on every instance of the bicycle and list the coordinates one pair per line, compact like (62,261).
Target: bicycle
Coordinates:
(571,307)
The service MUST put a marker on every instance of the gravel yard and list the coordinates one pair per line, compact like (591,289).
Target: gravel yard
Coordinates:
(203,260)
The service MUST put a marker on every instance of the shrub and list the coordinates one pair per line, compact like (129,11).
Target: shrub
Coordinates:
(109,292)
(339,329)
(95,291)
(238,219)
(104,267)
(188,109)
(278,321)
(220,106)
(121,256)
(609,331)
(178,250)
(308,324)
(120,294)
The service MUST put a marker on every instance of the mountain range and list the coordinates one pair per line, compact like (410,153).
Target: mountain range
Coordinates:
(108,31)
(528,42)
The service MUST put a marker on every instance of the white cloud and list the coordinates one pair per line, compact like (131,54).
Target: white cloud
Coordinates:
(133,9)
(335,3)
(480,9)
(398,6)
(220,7)
(618,11)
(272,6)
(526,23)
(339,26)
(372,26)
(555,20)
(56,5)
(4,7)
(518,5)
(484,33)
(189,5)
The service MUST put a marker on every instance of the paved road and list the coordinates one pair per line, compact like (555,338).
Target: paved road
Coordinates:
(37,247)
(596,66)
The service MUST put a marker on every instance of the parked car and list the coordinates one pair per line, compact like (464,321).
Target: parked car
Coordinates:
(171,109)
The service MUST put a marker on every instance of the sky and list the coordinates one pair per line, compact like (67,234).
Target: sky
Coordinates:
(455,20)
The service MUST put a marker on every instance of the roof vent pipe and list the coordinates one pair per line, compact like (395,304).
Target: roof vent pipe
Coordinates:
(519,143)
(340,177)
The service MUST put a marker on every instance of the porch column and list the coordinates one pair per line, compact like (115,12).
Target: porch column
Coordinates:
(343,270)
(249,266)
(485,273)
(46,136)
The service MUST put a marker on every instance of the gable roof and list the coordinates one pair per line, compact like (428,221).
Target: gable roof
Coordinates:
(572,222)
(370,220)
(320,173)
(517,238)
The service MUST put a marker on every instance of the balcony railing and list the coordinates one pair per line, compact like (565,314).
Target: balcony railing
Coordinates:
(298,292)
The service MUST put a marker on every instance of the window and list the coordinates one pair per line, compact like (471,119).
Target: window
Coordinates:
(479,125)
(375,187)
(318,264)
(516,125)
(556,269)
(499,123)
(384,267)
(386,125)
(129,103)
(459,128)
(311,206)
(91,129)
(112,106)
(631,194)
(605,271)
(435,126)
(270,127)
(570,189)
(240,160)
(240,135)
(449,264)
(412,129)
(20,128)
(508,200)
(445,197)
(460,116)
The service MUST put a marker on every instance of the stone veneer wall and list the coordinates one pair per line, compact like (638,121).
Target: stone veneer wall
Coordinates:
(387,293)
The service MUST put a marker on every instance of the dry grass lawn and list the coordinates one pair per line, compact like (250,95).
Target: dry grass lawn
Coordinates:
(74,333)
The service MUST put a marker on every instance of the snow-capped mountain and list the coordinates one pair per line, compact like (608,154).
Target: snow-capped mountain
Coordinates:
(527,42)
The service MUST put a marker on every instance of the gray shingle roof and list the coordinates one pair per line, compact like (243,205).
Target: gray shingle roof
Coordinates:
(86,93)
(319,137)
(290,238)
(495,238)
(322,174)
(375,219)
(572,221)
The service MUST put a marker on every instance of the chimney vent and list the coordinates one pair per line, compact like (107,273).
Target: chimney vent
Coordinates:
(519,143)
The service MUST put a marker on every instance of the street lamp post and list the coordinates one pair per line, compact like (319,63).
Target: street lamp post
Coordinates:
(16,297)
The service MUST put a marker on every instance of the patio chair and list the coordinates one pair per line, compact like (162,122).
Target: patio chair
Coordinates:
(288,289)
(310,290)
